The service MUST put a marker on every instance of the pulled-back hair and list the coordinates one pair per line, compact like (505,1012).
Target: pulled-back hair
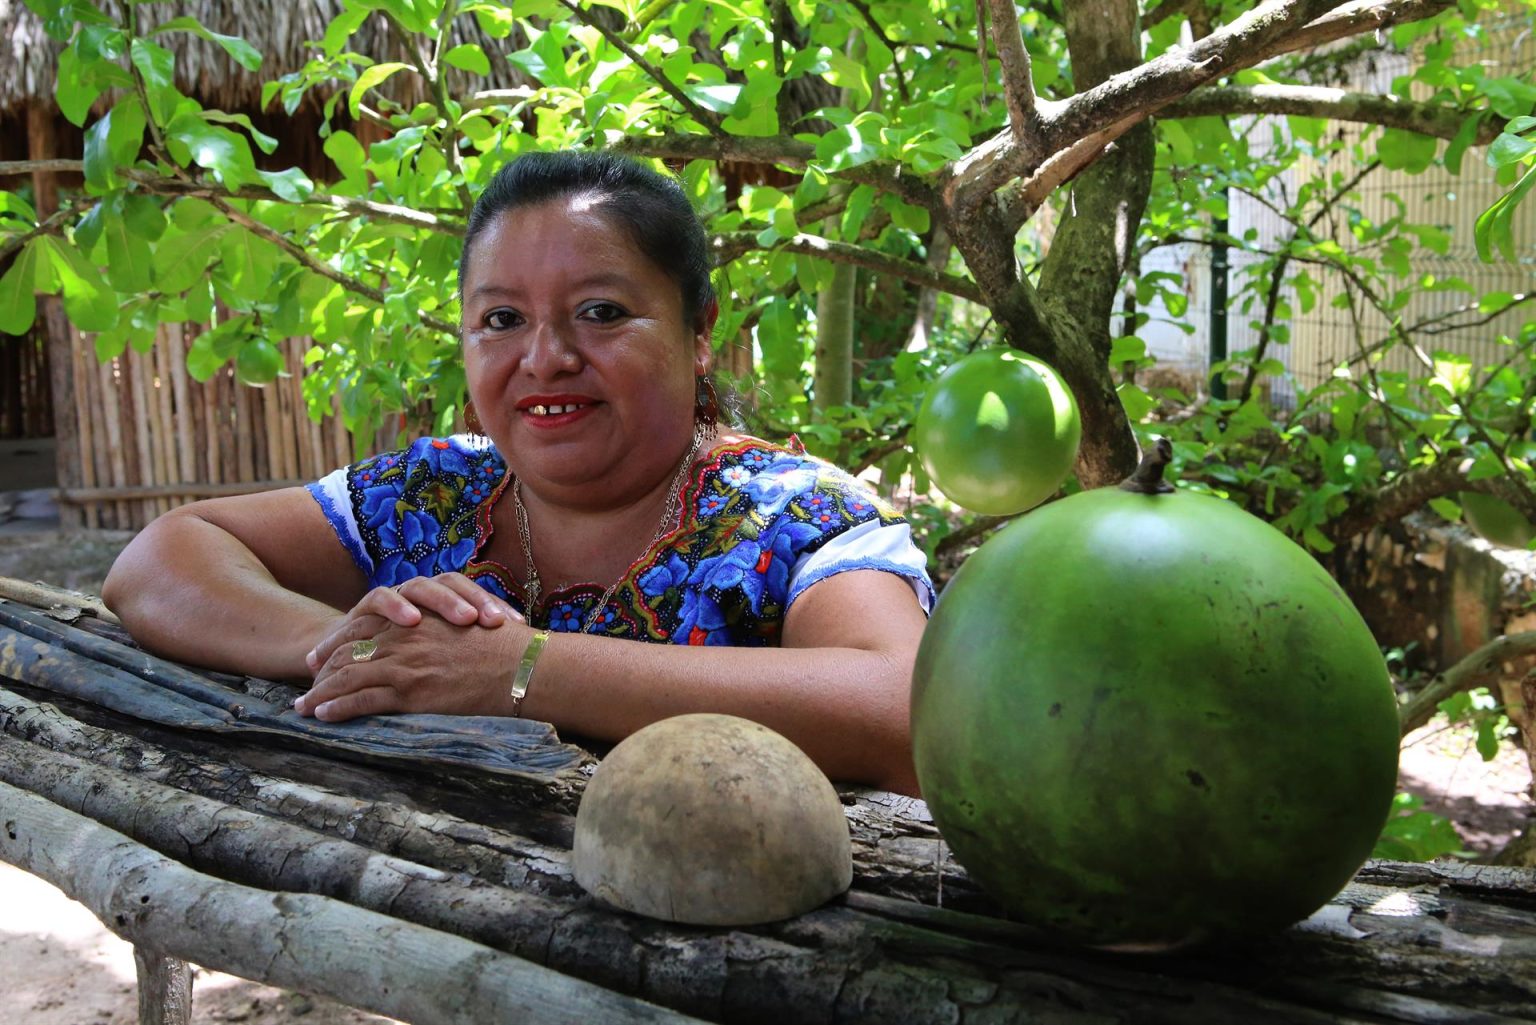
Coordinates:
(651,207)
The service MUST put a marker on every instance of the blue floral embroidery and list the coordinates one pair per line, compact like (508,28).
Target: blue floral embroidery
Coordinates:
(756,510)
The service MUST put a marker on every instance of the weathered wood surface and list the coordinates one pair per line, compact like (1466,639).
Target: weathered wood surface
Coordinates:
(484,859)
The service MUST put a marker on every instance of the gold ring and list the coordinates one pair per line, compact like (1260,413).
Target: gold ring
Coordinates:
(362,651)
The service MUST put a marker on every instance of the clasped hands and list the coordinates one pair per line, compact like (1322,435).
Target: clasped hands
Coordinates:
(443,644)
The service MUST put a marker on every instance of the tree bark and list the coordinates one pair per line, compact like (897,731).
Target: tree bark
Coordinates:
(165,988)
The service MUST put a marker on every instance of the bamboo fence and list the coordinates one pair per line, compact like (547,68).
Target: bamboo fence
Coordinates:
(150,437)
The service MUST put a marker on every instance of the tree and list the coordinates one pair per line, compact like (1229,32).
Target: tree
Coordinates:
(804,159)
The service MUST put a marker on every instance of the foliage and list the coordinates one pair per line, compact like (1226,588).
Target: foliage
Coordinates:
(187,215)
(1413,834)
(1480,710)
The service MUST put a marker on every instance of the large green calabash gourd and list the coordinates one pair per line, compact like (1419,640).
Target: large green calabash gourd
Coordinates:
(1148,720)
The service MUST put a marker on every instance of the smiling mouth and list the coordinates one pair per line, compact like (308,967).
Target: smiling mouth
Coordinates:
(555,410)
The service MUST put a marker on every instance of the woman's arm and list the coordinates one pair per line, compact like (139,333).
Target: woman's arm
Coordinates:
(839,687)
(247,584)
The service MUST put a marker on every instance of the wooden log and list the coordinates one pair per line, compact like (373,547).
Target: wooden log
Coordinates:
(297,941)
(878,958)
(165,988)
(53,599)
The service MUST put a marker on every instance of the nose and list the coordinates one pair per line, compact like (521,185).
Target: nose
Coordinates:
(552,351)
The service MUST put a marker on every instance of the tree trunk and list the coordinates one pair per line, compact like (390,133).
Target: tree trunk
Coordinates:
(57,331)
(834,340)
(1092,247)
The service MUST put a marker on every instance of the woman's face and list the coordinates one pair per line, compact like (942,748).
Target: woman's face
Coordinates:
(578,357)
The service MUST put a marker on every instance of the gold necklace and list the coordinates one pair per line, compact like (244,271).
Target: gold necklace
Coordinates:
(670,512)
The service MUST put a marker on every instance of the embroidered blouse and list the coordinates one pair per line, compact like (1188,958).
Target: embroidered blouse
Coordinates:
(760,524)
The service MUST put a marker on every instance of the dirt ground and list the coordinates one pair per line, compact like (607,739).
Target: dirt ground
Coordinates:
(60,966)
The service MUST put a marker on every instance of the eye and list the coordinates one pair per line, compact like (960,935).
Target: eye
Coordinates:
(602,312)
(502,319)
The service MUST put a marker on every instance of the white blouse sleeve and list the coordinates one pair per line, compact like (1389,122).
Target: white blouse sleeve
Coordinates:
(869,545)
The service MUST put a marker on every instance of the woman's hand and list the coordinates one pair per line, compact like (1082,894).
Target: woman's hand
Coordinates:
(432,666)
(453,596)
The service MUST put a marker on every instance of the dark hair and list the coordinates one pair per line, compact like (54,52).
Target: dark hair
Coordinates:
(652,207)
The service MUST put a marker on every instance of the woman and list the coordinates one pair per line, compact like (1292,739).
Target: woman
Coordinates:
(777,587)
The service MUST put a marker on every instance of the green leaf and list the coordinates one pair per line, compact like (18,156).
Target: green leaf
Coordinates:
(1406,151)
(367,80)
(155,63)
(74,89)
(100,173)
(126,136)
(1136,400)
(293,184)
(860,200)
(18,292)
(469,57)
(246,55)
(341,29)
(143,216)
(347,154)
(249,263)
(220,150)
(1510,97)
(182,260)
(1446,509)
(129,260)
(88,301)
(1510,149)
(1487,740)
(1127,349)
(1494,225)
(717,98)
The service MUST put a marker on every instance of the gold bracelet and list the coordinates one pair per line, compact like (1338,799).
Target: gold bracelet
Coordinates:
(525,671)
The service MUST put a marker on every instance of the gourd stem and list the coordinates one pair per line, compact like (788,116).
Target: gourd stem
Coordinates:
(1148,478)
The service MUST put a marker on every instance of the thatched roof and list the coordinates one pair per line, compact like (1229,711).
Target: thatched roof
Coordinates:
(282,30)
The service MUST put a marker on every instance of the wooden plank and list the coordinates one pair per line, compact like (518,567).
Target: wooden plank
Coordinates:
(137,370)
(167,460)
(111,412)
(227,409)
(84,413)
(186,414)
(247,463)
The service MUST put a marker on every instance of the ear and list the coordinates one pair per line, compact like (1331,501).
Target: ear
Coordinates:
(703,338)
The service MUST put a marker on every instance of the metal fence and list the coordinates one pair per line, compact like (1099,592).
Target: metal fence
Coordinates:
(1327,336)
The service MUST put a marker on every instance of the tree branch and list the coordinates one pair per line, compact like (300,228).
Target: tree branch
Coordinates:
(18,167)
(708,118)
(781,150)
(1354,18)
(1483,668)
(209,190)
(1433,119)
(729,246)
(874,26)
(49,226)
(1075,131)
(1018,82)
(320,267)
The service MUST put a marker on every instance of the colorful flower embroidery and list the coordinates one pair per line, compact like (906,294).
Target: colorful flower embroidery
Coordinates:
(755,511)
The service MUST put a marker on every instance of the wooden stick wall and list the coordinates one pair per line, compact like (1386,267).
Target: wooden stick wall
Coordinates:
(152,438)
(25,398)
